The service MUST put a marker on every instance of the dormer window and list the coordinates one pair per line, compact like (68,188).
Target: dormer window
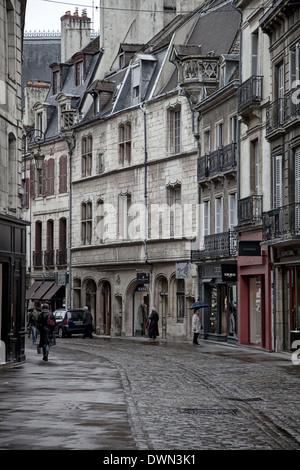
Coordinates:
(56,78)
(79,73)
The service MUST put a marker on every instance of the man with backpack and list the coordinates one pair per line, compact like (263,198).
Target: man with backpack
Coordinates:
(45,325)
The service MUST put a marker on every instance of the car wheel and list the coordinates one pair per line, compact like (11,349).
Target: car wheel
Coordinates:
(60,333)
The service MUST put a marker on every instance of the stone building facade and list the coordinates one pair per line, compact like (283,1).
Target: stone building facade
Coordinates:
(12,224)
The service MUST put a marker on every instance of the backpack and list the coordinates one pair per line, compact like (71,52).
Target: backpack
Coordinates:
(50,322)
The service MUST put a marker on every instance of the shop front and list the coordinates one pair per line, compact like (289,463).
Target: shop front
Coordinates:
(219,288)
(254,294)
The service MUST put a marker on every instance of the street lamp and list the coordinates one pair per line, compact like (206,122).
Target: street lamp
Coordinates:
(36,138)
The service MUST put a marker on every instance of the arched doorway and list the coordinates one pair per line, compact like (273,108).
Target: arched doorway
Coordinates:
(140,312)
(90,297)
(106,307)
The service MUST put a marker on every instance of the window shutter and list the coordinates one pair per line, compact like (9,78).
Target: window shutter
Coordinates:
(44,179)
(278,181)
(32,180)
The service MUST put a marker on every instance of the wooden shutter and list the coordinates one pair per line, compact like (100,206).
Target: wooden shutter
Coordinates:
(32,180)
(278,181)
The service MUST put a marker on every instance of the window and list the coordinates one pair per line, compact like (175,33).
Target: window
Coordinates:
(62,251)
(233,129)
(175,211)
(207,142)
(49,255)
(86,155)
(219,136)
(56,82)
(174,116)
(124,217)
(254,167)
(125,142)
(206,218)
(100,228)
(254,53)
(50,177)
(277,178)
(294,65)
(219,215)
(100,166)
(232,211)
(37,254)
(63,174)
(180,300)
(79,73)
(86,223)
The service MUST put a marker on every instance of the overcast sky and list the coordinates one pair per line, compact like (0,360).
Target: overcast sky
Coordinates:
(44,15)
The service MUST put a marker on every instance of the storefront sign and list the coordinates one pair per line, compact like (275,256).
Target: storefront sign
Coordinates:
(142,288)
(143,278)
(249,248)
(229,272)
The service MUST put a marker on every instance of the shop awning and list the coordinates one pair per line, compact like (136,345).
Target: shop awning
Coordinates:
(32,289)
(38,295)
(51,292)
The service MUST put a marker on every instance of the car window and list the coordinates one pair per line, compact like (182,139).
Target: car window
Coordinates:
(75,315)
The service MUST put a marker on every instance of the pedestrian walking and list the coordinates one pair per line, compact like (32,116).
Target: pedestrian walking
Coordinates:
(196,326)
(45,325)
(32,325)
(88,321)
(153,327)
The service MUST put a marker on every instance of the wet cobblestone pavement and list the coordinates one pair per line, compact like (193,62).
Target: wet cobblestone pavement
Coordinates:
(119,393)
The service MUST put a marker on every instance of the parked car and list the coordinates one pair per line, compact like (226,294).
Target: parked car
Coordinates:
(69,322)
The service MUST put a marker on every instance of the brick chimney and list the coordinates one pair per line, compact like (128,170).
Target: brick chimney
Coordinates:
(75,33)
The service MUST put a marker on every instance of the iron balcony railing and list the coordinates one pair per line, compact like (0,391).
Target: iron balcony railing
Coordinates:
(217,161)
(283,110)
(282,222)
(37,259)
(49,258)
(218,245)
(250,92)
(61,257)
(250,210)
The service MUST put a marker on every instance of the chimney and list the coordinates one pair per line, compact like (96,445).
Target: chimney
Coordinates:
(75,33)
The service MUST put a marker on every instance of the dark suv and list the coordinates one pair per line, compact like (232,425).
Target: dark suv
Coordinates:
(72,323)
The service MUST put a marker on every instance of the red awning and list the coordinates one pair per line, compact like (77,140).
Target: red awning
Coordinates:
(51,292)
(38,295)
(30,292)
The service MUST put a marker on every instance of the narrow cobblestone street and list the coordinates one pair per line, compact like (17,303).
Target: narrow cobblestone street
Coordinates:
(117,393)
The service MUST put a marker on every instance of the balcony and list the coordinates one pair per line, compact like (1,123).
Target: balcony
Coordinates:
(61,257)
(282,222)
(250,210)
(49,258)
(250,94)
(283,111)
(217,161)
(218,245)
(37,259)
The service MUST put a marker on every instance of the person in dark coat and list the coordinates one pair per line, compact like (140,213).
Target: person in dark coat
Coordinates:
(47,337)
(153,328)
(88,321)
(32,323)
